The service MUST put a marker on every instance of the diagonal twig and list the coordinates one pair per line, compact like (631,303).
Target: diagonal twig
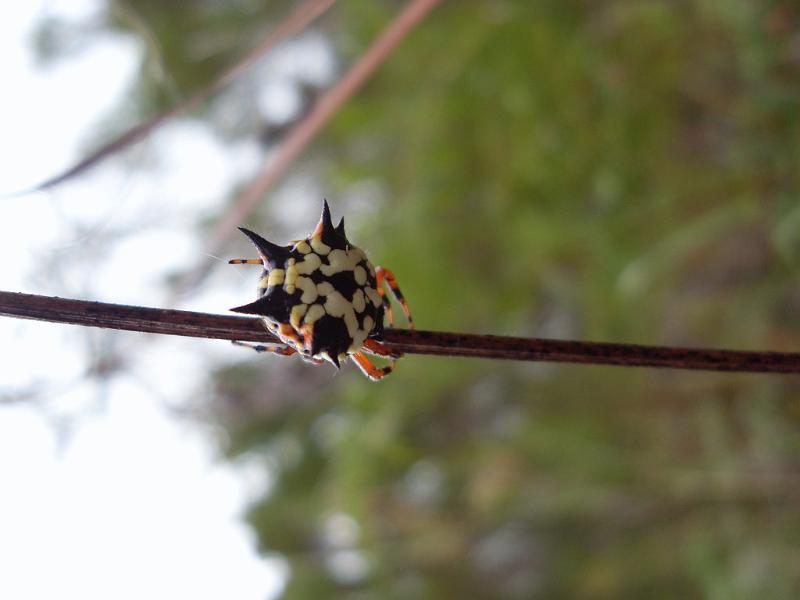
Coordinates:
(226,327)
(306,129)
(296,22)
(323,110)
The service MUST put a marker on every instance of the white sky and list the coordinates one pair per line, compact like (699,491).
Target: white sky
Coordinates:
(132,502)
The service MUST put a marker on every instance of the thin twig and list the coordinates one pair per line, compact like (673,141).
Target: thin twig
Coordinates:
(323,110)
(296,22)
(306,129)
(225,327)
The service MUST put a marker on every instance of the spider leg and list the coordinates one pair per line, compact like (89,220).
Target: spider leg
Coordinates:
(379,349)
(299,341)
(245,261)
(277,349)
(312,360)
(387,307)
(307,331)
(386,275)
(370,370)
(287,332)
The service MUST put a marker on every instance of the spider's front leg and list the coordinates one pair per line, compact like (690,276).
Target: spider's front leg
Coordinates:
(378,349)
(370,370)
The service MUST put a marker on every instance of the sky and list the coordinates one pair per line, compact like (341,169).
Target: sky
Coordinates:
(108,489)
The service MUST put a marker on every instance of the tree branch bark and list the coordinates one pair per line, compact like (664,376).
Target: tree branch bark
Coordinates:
(228,327)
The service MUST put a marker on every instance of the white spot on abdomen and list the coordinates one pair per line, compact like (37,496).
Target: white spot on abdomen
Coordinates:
(368,324)
(302,247)
(360,275)
(324,288)
(275,277)
(315,312)
(338,306)
(298,310)
(318,246)
(291,276)
(310,264)
(309,289)
(359,303)
(341,260)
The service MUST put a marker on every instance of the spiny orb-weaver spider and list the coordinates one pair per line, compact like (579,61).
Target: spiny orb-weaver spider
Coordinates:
(323,299)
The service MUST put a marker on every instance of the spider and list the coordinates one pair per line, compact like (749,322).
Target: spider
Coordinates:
(323,299)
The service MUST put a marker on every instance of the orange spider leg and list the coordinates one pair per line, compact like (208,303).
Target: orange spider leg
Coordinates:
(379,349)
(386,275)
(288,333)
(387,306)
(307,331)
(301,340)
(370,370)
(245,261)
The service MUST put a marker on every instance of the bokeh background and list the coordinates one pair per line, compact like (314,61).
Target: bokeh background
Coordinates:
(615,170)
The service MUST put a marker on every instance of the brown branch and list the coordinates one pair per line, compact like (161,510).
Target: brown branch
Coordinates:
(294,23)
(226,327)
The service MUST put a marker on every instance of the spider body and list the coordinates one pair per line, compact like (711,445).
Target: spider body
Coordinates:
(323,298)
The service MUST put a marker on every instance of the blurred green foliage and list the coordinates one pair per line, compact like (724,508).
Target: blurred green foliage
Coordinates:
(609,170)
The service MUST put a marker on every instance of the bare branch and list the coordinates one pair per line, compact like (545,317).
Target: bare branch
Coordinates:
(323,110)
(305,130)
(225,327)
(296,22)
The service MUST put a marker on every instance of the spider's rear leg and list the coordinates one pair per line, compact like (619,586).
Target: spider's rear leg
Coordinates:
(370,370)
(245,261)
(281,349)
(382,274)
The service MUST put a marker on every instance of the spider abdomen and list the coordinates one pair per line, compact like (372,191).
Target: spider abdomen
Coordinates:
(322,286)
(322,297)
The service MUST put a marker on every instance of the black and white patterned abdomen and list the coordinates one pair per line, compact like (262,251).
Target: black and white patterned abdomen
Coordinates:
(319,295)
(334,290)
